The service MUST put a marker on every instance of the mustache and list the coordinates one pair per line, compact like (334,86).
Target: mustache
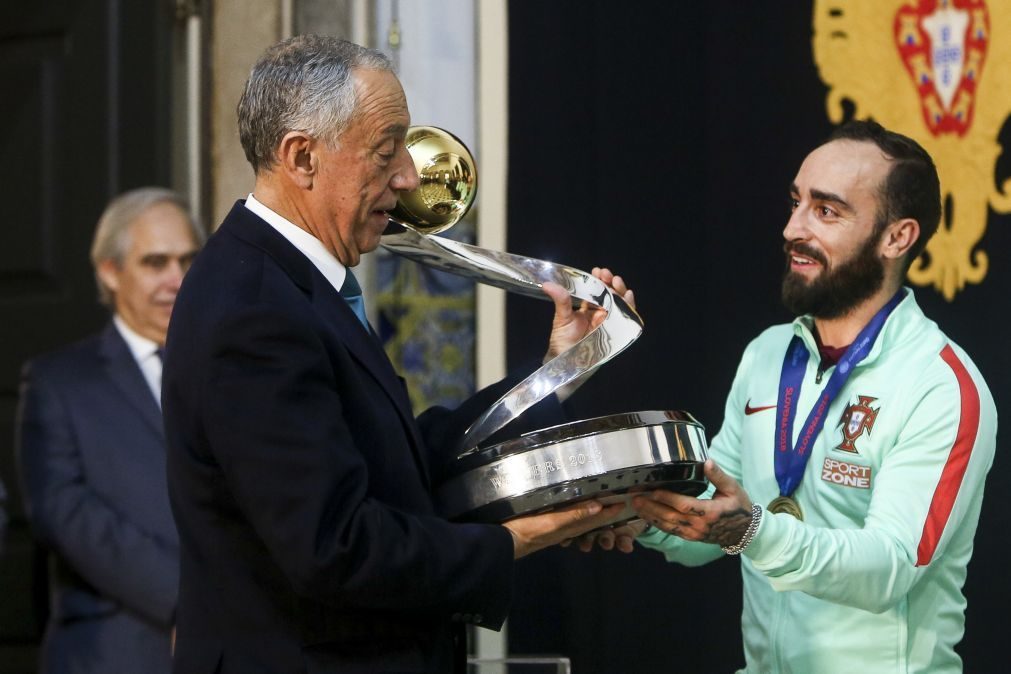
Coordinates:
(792,248)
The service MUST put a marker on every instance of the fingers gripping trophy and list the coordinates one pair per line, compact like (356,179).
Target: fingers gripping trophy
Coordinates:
(606,458)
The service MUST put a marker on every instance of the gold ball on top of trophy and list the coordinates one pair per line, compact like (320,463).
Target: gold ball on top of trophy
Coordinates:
(448,181)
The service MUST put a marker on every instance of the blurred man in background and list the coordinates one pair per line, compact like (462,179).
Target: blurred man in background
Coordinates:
(91,452)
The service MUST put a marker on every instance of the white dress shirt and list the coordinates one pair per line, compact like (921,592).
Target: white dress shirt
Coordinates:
(309,245)
(145,352)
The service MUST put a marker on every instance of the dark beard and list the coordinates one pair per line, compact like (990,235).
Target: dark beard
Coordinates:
(836,291)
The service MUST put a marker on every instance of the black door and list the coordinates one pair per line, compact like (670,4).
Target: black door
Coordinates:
(85,114)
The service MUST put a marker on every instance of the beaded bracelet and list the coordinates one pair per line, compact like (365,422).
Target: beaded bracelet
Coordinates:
(749,533)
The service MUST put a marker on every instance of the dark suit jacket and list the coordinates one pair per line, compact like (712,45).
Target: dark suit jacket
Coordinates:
(301,481)
(92,460)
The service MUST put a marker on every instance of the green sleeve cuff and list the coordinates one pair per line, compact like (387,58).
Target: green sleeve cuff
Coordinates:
(771,539)
(652,537)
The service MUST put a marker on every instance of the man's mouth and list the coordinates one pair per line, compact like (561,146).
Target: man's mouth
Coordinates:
(802,256)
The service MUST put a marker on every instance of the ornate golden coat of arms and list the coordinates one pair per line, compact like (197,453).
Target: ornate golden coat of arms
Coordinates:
(938,71)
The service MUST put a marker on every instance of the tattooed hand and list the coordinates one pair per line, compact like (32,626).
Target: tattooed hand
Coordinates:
(721,520)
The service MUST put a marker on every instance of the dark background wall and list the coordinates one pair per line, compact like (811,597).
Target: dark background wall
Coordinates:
(655,137)
(660,138)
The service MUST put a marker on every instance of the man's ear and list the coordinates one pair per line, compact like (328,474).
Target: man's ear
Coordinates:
(297,157)
(899,238)
(108,272)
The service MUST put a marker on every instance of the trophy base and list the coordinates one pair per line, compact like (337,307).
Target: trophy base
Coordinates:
(608,458)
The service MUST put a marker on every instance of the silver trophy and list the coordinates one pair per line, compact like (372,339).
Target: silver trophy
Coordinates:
(607,458)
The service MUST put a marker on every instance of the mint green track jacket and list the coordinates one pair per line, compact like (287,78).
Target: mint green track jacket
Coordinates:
(871,580)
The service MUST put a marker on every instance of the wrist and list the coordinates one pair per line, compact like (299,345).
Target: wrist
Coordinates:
(520,547)
(749,533)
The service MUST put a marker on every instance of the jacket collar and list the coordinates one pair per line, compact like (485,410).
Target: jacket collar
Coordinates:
(905,322)
(363,345)
(125,373)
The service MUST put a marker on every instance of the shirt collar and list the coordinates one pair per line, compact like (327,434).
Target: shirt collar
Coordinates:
(141,347)
(306,243)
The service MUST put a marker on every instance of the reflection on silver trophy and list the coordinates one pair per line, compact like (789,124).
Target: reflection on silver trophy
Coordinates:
(606,458)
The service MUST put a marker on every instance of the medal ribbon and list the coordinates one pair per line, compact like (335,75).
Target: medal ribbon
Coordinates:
(790,459)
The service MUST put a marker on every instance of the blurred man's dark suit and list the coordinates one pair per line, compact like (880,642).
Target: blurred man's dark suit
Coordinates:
(92,460)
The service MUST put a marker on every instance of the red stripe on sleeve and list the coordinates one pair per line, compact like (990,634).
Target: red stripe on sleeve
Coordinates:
(958,460)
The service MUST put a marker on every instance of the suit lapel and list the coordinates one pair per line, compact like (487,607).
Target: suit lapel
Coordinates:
(365,347)
(334,310)
(125,374)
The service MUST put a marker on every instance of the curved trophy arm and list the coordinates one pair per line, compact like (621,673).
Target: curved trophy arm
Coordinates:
(525,275)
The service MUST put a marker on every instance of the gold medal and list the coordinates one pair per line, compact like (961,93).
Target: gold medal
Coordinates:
(785,504)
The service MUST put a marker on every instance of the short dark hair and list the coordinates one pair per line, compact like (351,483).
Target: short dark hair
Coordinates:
(911,189)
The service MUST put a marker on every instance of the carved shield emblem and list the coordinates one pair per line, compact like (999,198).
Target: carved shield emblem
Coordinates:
(933,70)
(943,46)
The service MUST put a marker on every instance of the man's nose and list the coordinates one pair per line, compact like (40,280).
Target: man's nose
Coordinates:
(796,227)
(174,273)
(406,178)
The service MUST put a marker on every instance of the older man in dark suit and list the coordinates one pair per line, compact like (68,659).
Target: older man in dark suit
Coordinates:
(299,477)
(92,452)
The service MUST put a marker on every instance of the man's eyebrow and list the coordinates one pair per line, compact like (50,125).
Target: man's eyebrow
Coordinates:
(395,130)
(831,198)
(821,195)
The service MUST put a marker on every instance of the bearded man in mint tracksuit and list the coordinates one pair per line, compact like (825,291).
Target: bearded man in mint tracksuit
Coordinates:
(850,466)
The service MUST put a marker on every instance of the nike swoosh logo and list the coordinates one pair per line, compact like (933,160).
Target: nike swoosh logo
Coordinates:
(748,409)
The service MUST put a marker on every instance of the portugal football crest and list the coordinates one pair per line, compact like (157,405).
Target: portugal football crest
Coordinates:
(855,420)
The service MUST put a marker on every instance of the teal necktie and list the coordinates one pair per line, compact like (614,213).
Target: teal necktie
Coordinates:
(352,293)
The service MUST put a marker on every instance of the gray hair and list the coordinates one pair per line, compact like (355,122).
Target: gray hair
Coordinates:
(302,84)
(112,235)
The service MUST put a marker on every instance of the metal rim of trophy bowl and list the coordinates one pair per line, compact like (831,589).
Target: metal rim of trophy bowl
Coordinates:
(608,458)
